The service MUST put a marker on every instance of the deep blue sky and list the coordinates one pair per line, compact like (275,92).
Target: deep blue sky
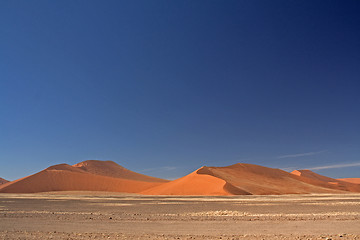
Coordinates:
(164,87)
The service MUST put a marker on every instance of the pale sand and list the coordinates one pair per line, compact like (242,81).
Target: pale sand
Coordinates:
(83,215)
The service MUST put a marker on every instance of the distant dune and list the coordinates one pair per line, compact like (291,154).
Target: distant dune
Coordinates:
(350,180)
(64,177)
(323,181)
(237,179)
(3,181)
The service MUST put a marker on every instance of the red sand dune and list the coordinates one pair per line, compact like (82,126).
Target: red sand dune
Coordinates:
(244,178)
(64,177)
(237,179)
(3,181)
(112,169)
(240,179)
(323,181)
(192,184)
(350,180)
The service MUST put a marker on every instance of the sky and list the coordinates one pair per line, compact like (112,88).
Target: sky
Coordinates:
(165,87)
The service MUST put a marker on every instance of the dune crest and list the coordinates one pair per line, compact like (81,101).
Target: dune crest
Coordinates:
(112,169)
(310,174)
(64,167)
(192,184)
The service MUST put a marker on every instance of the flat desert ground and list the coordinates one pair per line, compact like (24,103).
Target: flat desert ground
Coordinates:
(89,215)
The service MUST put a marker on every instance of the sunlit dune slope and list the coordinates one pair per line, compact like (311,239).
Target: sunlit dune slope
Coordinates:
(64,177)
(350,180)
(323,181)
(192,184)
(112,169)
(3,181)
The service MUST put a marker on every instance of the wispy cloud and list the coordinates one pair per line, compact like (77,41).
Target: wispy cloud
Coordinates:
(344,165)
(301,154)
(160,169)
(289,169)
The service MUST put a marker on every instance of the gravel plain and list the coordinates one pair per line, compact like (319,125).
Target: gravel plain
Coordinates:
(94,215)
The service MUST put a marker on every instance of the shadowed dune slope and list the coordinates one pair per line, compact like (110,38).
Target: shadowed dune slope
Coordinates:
(323,181)
(3,181)
(64,177)
(192,184)
(112,169)
(350,180)
(310,174)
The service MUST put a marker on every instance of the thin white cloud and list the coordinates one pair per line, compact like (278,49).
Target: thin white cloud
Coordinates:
(289,169)
(160,169)
(344,165)
(301,154)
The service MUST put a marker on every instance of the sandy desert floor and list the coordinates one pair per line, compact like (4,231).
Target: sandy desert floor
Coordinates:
(86,215)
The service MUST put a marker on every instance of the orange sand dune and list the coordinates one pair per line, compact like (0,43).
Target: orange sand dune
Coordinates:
(64,177)
(323,181)
(244,178)
(3,181)
(192,184)
(350,180)
(239,179)
(112,169)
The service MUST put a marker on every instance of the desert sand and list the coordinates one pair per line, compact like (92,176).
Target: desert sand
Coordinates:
(90,215)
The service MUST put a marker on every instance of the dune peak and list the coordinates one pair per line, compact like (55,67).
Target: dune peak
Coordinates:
(3,181)
(63,167)
(112,169)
